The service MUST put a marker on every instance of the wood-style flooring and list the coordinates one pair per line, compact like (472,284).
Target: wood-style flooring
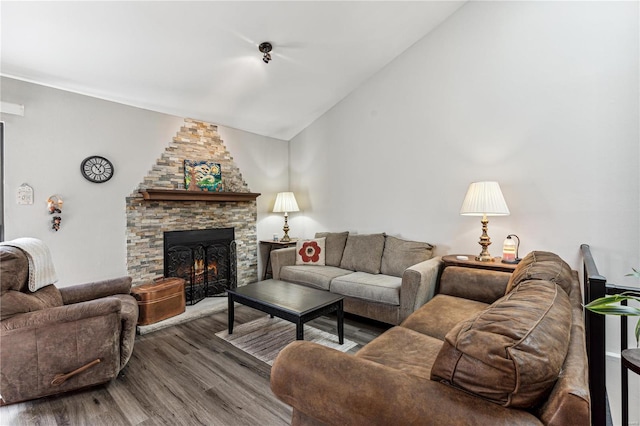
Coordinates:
(182,375)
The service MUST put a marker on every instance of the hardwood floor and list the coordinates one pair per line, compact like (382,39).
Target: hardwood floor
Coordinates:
(182,375)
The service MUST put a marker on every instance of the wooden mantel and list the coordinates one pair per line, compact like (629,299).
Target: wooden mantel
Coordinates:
(184,195)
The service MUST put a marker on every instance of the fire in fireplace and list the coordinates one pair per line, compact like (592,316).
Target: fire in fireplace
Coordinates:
(204,258)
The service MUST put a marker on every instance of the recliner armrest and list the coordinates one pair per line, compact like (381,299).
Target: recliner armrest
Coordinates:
(337,388)
(61,314)
(280,258)
(95,290)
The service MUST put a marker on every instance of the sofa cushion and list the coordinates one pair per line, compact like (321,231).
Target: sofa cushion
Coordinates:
(313,276)
(310,252)
(363,253)
(542,265)
(373,287)
(400,254)
(335,242)
(439,315)
(512,352)
(403,349)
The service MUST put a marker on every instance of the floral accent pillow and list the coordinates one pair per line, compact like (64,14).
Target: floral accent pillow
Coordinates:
(310,252)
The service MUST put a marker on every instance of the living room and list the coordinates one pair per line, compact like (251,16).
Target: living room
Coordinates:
(542,97)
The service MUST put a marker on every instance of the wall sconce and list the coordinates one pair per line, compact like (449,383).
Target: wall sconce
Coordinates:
(265,47)
(285,202)
(484,199)
(54,205)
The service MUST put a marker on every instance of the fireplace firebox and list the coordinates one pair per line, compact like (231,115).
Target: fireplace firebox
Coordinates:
(204,258)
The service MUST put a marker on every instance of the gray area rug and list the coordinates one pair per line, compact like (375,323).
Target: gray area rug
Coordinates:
(265,337)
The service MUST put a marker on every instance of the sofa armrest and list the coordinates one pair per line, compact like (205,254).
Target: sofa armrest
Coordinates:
(337,388)
(95,290)
(280,258)
(418,285)
(61,314)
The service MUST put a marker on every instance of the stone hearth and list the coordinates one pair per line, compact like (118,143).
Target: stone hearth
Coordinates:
(148,220)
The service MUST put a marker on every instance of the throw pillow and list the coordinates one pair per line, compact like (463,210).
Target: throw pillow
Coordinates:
(310,252)
(399,254)
(363,253)
(335,246)
(512,352)
(542,265)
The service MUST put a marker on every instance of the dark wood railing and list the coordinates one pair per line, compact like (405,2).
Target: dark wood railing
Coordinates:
(595,286)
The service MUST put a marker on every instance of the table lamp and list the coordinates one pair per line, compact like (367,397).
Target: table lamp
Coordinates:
(484,199)
(285,202)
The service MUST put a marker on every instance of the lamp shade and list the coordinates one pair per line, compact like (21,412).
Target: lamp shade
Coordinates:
(484,198)
(285,202)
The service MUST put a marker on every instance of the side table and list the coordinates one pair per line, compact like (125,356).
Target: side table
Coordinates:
(471,262)
(273,245)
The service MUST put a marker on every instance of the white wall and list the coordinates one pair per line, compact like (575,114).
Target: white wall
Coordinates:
(540,96)
(59,129)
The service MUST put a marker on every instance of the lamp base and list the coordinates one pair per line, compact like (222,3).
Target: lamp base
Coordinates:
(484,242)
(285,238)
(512,262)
(484,258)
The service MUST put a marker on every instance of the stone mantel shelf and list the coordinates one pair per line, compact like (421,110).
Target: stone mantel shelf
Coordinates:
(184,195)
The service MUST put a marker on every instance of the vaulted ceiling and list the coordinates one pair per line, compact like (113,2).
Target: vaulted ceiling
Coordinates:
(200,59)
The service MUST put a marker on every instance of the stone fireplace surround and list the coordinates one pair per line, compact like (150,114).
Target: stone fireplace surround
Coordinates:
(147,220)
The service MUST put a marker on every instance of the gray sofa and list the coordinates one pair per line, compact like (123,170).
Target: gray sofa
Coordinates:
(380,276)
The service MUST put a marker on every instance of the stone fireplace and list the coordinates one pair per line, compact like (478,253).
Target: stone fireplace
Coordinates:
(160,206)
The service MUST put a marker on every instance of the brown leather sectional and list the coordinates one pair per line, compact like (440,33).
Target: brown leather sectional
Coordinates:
(471,355)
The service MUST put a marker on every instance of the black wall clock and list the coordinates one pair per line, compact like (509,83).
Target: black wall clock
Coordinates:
(96,169)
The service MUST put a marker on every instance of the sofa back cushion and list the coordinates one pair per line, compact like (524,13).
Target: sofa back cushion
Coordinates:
(542,265)
(399,254)
(512,352)
(363,253)
(482,285)
(334,246)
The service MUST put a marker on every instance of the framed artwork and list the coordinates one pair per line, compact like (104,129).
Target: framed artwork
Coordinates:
(202,176)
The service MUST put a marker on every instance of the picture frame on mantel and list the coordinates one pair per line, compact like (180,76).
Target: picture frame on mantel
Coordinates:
(202,176)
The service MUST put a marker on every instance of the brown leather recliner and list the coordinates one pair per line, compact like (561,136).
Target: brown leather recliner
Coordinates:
(87,330)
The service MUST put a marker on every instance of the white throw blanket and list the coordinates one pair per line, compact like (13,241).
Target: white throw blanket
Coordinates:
(41,270)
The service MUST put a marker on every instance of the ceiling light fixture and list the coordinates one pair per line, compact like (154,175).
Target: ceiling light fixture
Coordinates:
(265,47)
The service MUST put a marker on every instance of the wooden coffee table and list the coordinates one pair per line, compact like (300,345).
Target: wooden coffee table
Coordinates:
(292,302)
